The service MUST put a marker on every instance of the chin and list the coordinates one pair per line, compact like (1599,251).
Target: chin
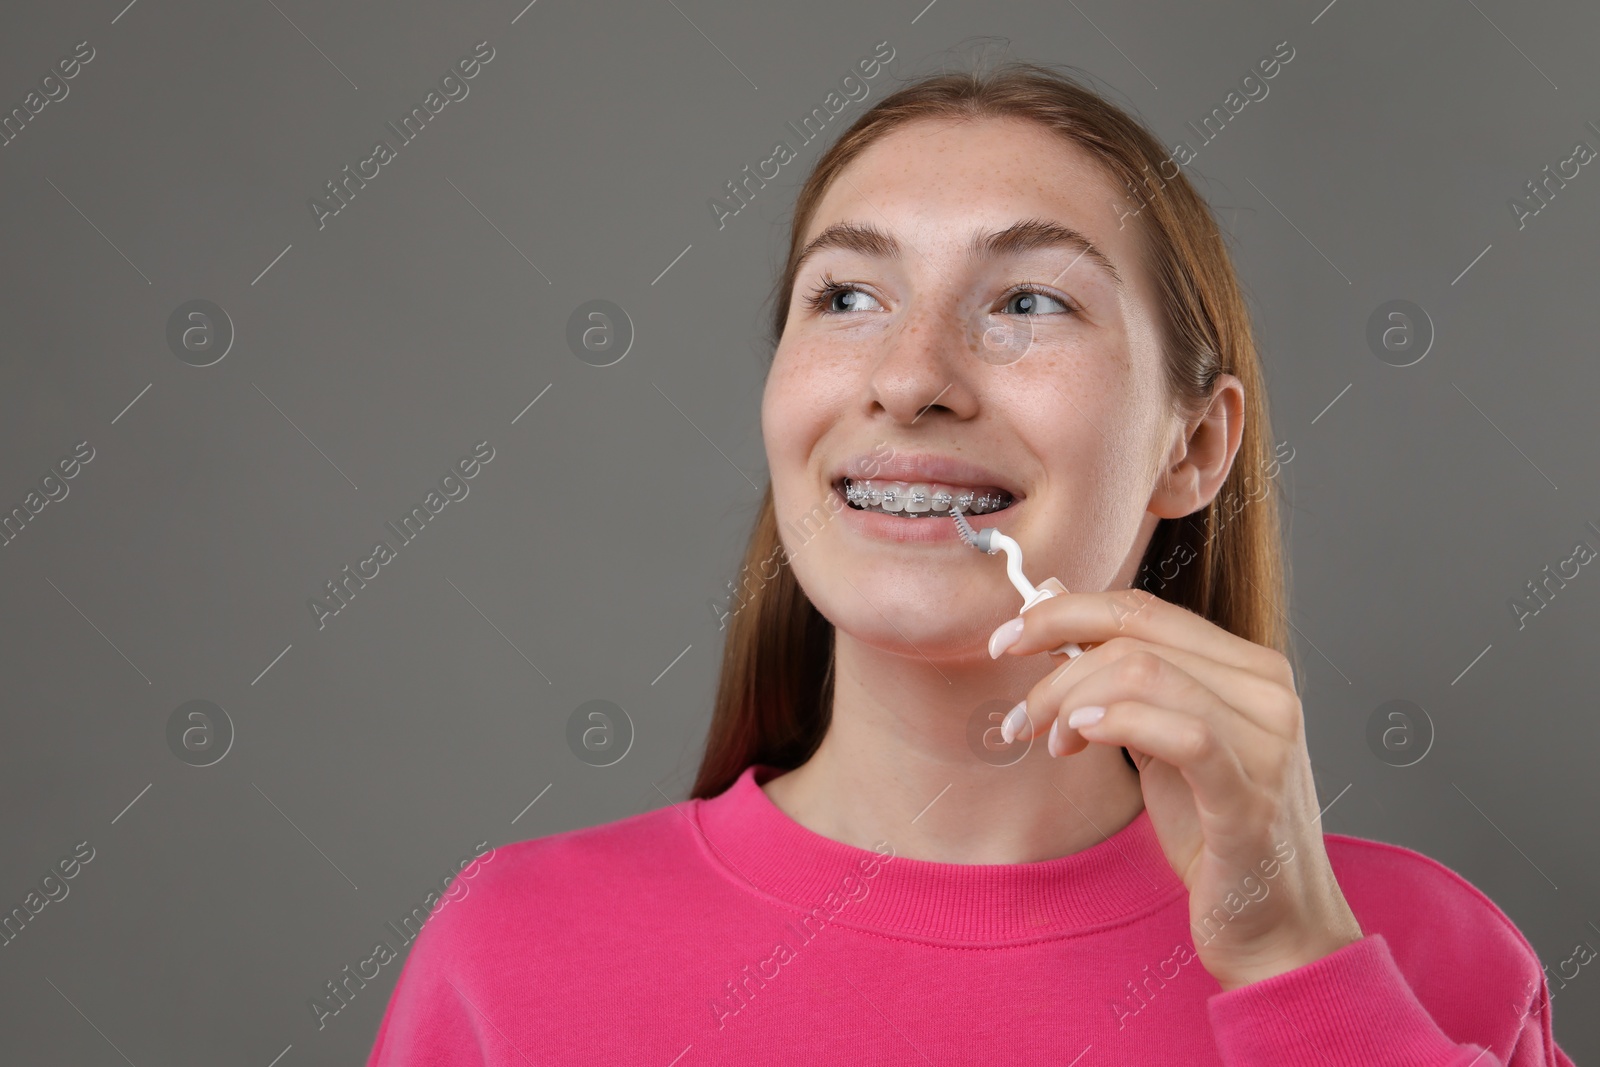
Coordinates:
(908,610)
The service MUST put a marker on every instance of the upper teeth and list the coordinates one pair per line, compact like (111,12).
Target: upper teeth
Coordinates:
(915,497)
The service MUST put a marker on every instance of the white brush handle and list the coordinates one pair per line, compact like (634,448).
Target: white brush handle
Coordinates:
(1072,650)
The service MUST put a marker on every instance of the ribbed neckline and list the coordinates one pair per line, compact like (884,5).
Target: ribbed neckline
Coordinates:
(758,845)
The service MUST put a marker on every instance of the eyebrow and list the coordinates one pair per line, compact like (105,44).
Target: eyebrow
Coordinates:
(1025,236)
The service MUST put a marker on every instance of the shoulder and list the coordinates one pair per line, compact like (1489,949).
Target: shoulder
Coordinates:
(632,846)
(1441,929)
(568,873)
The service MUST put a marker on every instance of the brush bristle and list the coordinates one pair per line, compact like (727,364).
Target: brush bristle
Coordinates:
(968,534)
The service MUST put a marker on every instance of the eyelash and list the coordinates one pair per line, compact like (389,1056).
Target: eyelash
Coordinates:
(825,290)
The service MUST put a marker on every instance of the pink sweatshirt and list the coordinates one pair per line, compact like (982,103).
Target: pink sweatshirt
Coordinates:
(723,932)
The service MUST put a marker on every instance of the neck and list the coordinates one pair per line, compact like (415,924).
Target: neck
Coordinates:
(904,760)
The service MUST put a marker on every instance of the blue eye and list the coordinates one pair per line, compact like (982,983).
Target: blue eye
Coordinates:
(830,297)
(1029,302)
(823,298)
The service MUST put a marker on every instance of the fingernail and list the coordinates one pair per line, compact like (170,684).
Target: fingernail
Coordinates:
(1053,742)
(1085,717)
(1004,636)
(1014,721)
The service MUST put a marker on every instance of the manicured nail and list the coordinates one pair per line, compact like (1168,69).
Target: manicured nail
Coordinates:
(1014,721)
(1004,636)
(1053,742)
(1085,717)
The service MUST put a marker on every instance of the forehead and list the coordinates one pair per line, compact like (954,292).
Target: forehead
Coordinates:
(934,181)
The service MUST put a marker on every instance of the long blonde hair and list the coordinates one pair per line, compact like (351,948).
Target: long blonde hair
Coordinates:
(775,694)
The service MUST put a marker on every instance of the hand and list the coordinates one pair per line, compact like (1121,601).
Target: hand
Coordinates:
(1215,726)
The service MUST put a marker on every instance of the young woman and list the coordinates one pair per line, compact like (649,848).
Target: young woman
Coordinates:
(999,292)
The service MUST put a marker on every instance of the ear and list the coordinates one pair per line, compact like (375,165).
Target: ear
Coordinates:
(1198,463)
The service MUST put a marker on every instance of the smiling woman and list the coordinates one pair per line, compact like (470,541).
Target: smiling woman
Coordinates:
(960,291)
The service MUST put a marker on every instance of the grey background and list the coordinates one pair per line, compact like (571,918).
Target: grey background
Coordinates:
(425,317)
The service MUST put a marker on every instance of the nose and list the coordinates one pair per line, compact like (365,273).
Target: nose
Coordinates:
(924,368)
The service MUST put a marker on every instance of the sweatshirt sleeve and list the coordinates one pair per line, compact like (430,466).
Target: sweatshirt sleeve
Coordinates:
(1354,1006)
(431,1018)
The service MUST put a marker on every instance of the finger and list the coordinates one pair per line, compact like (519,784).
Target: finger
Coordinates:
(1265,703)
(1208,763)
(1150,679)
(1098,617)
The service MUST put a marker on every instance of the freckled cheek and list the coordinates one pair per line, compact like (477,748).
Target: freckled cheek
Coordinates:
(795,415)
